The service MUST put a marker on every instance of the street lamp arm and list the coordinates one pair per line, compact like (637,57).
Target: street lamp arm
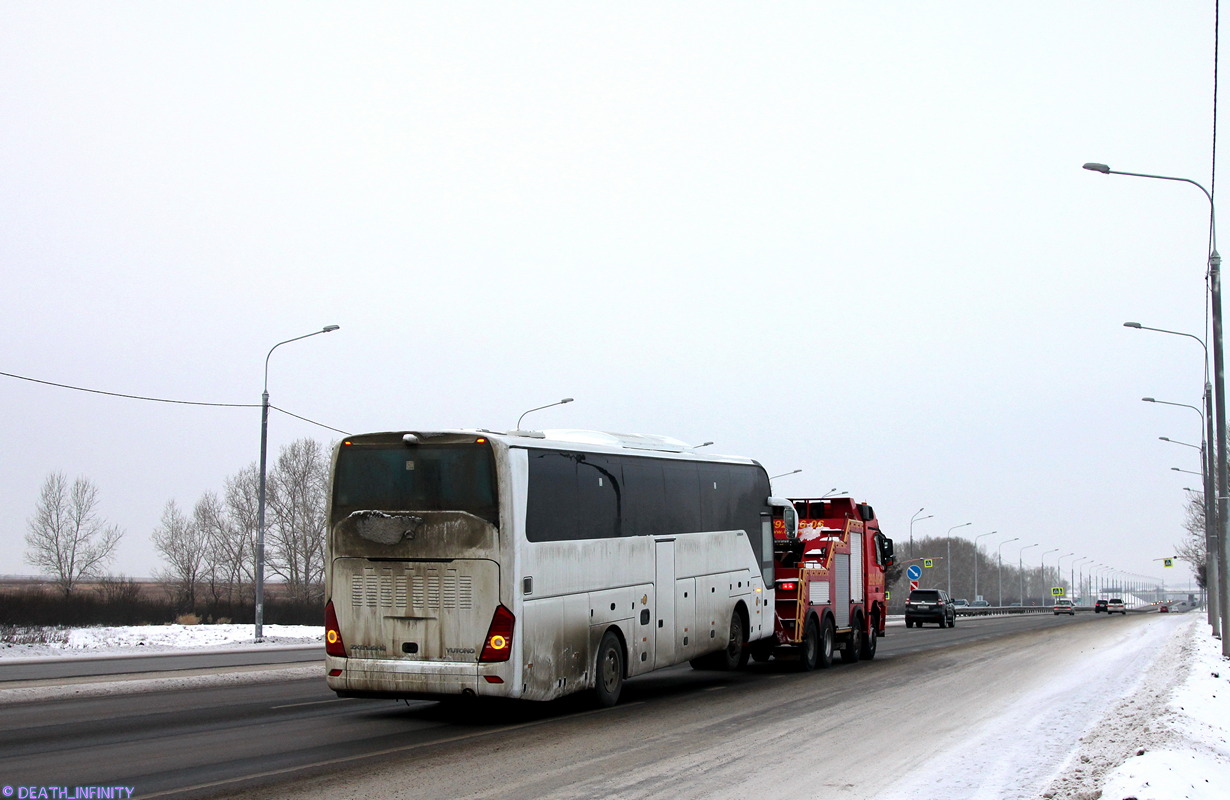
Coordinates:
(1168,403)
(1140,327)
(325,329)
(1105,170)
(540,408)
(1093,166)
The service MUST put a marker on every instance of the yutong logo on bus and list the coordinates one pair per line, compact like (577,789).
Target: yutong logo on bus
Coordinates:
(460,651)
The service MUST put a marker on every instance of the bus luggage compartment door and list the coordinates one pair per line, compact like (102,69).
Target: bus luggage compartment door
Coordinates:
(665,652)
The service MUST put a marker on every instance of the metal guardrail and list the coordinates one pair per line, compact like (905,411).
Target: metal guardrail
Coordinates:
(991,611)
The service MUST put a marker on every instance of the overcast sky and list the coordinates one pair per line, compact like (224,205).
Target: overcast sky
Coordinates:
(852,239)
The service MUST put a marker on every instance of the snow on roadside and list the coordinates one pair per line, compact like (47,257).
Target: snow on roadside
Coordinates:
(1184,751)
(121,641)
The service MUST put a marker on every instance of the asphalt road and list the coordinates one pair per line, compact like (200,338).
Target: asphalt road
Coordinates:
(295,738)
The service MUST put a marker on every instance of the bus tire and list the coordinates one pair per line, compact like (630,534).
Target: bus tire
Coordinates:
(609,670)
(827,635)
(736,653)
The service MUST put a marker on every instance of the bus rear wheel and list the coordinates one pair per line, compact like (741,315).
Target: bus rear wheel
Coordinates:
(736,653)
(609,670)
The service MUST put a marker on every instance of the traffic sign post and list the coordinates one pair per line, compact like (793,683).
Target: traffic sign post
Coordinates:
(913,572)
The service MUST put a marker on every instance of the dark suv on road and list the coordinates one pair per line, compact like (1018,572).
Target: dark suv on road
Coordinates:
(930,605)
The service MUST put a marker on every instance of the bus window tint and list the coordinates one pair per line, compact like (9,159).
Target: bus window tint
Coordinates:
(422,478)
(645,504)
(551,507)
(681,483)
(598,498)
(592,496)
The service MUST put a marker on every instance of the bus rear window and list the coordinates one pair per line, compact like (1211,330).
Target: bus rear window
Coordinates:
(391,478)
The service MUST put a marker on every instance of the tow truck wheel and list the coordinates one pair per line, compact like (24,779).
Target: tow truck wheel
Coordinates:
(869,643)
(853,650)
(809,649)
(609,670)
(827,635)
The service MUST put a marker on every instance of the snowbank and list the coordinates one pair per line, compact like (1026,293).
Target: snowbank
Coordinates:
(1185,751)
(104,641)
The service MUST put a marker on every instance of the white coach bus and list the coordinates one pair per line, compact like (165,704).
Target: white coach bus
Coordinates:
(533,565)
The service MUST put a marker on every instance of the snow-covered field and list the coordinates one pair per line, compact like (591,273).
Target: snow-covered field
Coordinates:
(102,641)
(1174,713)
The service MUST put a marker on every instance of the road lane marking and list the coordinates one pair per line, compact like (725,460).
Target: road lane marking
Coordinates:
(312,703)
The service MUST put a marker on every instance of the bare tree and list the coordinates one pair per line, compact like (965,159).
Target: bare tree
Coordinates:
(65,537)
(297,491)
(228,561)
(1193,547)
(242,500)
(185,548)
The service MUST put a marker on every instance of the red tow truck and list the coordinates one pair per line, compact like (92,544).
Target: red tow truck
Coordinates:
(829,559)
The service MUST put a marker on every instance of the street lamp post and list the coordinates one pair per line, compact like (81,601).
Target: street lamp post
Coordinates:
(1020,566)
(949,559)
(912,519)
(1089,566)
(1059,568)
(999,556)
(1044,555)
(976,560)
(259,599)
(1209,467)
(1219,385)
(1213,568)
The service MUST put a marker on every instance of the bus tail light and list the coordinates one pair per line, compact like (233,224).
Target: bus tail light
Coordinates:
(498,644)
(334,646)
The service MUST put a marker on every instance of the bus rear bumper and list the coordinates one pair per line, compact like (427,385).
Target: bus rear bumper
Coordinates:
(393,678)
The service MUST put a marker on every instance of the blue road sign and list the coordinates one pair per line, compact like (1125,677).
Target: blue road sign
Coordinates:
(913,572)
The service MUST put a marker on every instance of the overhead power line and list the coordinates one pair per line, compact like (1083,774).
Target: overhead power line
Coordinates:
(166,400)
(129,396)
